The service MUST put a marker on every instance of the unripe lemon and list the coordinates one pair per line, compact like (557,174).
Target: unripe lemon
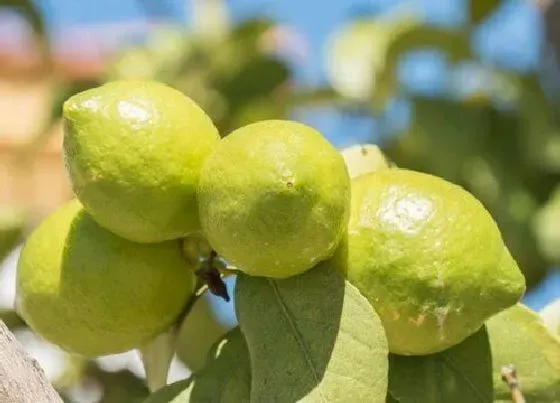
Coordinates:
(93,293)
(274,198)
(429,258)
(134,151)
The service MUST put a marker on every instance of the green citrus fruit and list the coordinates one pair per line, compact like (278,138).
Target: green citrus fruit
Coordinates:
(274,198)
(364,158)
(134,151)
(429,258)
(93,293)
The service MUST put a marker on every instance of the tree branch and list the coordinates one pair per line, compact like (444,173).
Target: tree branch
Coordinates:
(21,378)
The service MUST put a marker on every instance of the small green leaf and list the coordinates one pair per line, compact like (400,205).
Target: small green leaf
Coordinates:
(462,373)
(518,337)
(480,9)
(226,378)
(312,338)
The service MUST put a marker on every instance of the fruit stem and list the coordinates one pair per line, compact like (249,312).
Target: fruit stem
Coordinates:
(210,275)
(509,376)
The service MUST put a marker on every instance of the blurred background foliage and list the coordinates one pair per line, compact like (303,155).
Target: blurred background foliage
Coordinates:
(492,128)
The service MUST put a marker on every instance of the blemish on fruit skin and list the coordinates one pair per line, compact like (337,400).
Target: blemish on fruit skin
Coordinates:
(417,321)
(441,314)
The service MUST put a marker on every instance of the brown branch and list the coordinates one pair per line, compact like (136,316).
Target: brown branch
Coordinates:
(21,378)
(509,376)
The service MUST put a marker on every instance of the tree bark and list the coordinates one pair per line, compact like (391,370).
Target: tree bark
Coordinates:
(21,378)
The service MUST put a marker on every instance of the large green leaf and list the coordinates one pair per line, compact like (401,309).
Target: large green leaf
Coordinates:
(462,373)
(226,378)
(312,338)
(519,337)
(480,9)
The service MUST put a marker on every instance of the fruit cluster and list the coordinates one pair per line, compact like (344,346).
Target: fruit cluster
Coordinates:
(107,272)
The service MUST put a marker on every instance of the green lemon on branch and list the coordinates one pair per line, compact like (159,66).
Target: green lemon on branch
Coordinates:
(429,258)
(274,198)
(93,293)
(134,151)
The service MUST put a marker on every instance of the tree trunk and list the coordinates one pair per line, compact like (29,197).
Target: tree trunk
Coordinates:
(21,378)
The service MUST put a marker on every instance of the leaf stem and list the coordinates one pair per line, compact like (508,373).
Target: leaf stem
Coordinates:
(509,376)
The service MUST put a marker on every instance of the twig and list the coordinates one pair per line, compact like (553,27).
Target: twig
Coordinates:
(509,376)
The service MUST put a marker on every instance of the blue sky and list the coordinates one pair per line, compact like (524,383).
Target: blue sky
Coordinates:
(510,38)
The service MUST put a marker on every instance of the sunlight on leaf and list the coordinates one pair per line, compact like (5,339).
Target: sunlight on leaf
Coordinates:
(312,338)
(519,337)
(226,378)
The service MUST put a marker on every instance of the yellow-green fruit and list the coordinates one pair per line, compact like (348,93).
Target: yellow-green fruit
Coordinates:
(274,198)
(134,151)
(93,293)
(429,258)
(364,158)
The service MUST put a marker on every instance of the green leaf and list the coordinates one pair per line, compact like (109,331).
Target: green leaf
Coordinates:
(462,373)
(312,338)
(518,337)
(177,392)
(200,330)
(226,378)
(550,315)
(480,9)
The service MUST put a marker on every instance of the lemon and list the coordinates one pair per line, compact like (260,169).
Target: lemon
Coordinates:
(134,151)
(429,258)
(93,293)
(274,198)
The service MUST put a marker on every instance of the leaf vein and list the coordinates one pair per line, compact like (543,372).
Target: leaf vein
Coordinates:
(449,361)
(296,333)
